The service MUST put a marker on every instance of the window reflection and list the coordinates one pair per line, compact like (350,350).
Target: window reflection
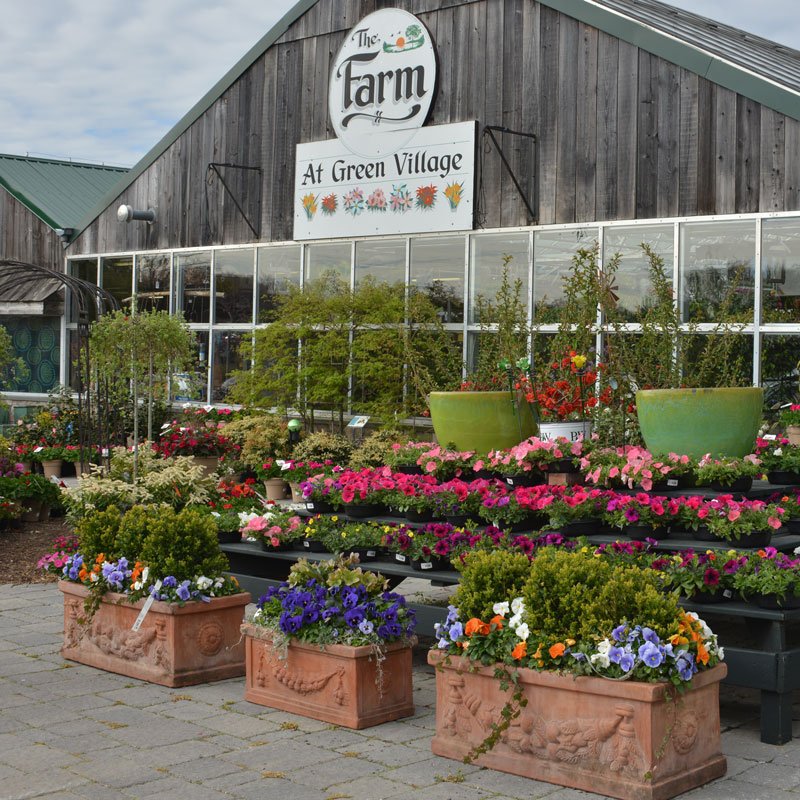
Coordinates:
(227,358)
(233,295)
(553,252)
(116,277)
(437,269)
(385,261)
(85,270)
(192,386)
(193,278)
(632,285)
(780,270)
(278,269)
(779,369)
(153,282)
(717,271)
(490,254)
(322,259)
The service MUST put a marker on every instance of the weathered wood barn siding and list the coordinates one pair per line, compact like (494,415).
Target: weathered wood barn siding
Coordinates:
(24,237)
(622,134)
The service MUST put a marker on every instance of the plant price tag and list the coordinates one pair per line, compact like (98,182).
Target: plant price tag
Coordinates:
(770,437)
(145,608)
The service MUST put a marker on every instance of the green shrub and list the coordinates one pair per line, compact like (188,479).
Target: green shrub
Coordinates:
(322,446)
(574,595)
(374,451)
(97,533)
(265,439)
(488,578)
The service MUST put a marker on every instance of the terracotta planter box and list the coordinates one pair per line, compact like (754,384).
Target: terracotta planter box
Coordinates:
(336,684)
(617,738)
(175,646)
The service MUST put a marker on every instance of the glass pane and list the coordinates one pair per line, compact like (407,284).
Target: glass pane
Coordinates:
(326,258)
(384,260)
(37,341)
(717,271)
(437,268)
(152,282)
(780,270)
(73,377)
(779,369)
(552,260)
(192,386)
(632,278)
(193,279)
(489,255)
(85,270)
(278,269)
(226,359)
(116,277)
(234,286)
(718,359)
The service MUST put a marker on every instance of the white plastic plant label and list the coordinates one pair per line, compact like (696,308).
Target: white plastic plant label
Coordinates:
(145,608)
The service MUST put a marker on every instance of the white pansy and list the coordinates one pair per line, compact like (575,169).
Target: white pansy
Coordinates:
(517,606)
(600,660)
(500,608)
(515,620)
(604,646)
(522,631)
(215,513)
(721,653)
(778,451)
(797,551)
(204,583)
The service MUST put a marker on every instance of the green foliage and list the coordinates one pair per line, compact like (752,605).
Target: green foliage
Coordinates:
(182,543)
(322,446)
(97,533)
(266,439)
(12,368)
(173,481)
(488,578)
(507,315)
(376,449)
(378,338)
(141,350)
(574,595)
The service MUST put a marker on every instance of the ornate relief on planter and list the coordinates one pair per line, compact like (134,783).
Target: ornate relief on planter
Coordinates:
(337,684)
(175,646)
(618,738)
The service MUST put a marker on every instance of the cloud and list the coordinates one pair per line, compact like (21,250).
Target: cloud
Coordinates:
(103,81)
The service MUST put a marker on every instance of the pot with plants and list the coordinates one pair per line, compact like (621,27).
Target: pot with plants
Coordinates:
(572,654)
(739,523)
(780,460)
(333,644)
(274,529)
(789,420)
(639,517)
(142,585)
(701,577)
(365,539)
(731,475)
(770,579)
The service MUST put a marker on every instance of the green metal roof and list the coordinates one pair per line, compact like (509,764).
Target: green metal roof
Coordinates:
(764,71)
(58,192)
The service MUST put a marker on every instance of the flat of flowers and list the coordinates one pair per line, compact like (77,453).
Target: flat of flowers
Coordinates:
(336,684)
(622,739)
(175,645)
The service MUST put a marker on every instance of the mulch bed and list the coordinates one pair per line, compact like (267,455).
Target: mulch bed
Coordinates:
(21,548)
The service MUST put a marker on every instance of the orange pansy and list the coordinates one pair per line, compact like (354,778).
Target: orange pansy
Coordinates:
(474,626)
(520,651)
(498,621)
(557,650)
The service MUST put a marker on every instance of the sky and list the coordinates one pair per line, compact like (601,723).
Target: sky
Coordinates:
(100,81)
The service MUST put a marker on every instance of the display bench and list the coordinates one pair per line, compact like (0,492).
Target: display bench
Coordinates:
(762,646)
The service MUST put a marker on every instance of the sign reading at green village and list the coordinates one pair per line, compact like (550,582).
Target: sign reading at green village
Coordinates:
(385,173)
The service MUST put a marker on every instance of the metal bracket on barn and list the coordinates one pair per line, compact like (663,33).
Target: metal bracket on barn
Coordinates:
(215,167)
(530,204)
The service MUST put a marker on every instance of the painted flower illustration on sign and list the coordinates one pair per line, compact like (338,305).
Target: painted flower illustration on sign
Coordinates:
(310,205)
(329,203)
(411,41)
(400,199)
(377,201)
(426,197)
(453,193)
(354,202)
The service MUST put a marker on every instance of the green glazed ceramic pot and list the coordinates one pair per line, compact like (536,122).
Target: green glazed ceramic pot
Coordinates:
(723,422)
(481,421)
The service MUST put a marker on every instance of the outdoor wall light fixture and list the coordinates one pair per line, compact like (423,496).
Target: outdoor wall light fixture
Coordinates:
(129,213)
(65,234)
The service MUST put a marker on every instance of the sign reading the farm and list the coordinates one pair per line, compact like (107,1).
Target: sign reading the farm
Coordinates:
(385,173)
(424,186)
(382,82)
